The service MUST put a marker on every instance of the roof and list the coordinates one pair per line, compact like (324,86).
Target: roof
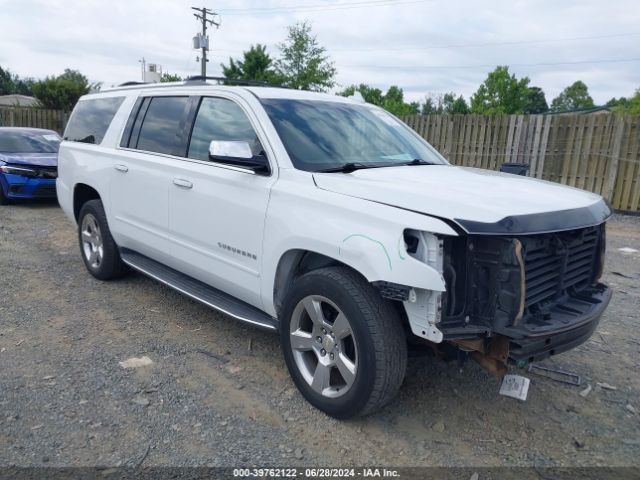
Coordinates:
(27,130)
(258,91)
(15,100)
(586,110)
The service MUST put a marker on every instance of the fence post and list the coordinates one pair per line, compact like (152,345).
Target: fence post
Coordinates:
(612,173)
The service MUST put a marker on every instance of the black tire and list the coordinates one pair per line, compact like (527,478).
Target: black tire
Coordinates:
(111,265)
(3,198)
(377,331)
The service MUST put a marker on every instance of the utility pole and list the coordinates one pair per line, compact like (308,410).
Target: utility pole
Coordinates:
(203,14)
(143,63)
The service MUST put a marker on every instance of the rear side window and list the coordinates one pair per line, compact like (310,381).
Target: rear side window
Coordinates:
(91,119)
(161,126)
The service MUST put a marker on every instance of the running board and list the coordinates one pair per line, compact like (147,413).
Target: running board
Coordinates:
(198,290)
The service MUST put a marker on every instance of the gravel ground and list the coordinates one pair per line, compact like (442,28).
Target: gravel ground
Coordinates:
(218,392)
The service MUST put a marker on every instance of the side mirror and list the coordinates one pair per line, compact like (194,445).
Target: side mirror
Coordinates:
(238,154)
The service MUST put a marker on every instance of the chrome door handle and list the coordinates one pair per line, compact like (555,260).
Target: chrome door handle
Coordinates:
(182,183)
(121,168)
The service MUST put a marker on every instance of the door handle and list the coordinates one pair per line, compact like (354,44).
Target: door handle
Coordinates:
(182,183)
(121,168)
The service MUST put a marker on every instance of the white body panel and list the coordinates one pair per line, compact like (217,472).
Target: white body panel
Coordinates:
(457,192)
(231,228)
(216,226)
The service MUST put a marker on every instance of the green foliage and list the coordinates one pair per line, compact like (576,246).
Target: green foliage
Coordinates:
(370,94)
(392,101)
(573,97)
(255,65)
(170,77)
(447,104)
(536,101)
(501,93)
(629,105)
(303,63)
(62,92)
(12,84)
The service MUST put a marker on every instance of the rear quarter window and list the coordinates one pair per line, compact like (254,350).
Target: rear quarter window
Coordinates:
(91,119)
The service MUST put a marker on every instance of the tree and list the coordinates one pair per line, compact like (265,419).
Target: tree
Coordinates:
(573,97)
(455,105)
(255,65)
(392,101)
(501,93)
(447,104)
(629,105)
(432,105)
(12,84)
(303,63)
(170,77)
(62,92)
(617,103)
(370,94)
(536,101)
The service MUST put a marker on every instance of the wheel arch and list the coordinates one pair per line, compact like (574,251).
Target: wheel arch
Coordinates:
(294,263)
(82,193)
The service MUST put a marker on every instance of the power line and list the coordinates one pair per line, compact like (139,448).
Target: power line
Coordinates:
(488,44)
(467,45)
(319,7)
(492,65)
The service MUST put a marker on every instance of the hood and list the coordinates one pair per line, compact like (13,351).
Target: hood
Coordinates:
(478,201)
(35,159)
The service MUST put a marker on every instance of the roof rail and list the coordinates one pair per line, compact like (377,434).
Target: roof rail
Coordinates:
(234,81)
(128,84)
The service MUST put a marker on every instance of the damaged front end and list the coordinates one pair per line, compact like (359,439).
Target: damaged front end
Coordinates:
(522,298)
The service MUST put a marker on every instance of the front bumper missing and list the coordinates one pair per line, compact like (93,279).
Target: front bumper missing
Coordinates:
(570,324)
(564,330)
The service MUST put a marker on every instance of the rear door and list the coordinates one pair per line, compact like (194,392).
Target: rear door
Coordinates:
(140,173)
(217,211)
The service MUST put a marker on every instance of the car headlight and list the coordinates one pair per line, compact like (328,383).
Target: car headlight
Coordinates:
(26,172)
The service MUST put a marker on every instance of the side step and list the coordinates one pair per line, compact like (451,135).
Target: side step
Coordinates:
(198,290)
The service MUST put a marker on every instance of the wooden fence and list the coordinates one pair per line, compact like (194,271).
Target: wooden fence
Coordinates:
(596,152)
(33,117)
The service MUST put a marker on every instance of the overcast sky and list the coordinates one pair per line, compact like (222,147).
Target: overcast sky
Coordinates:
(431,46)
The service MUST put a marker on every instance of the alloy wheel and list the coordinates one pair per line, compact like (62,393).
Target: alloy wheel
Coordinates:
(324,347)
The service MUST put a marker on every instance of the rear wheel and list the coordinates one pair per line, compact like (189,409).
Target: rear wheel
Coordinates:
(344,345)
(99,251)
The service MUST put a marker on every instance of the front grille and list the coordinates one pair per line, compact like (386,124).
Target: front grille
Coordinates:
(483,277)
(559,263)
(46,172)
(45,191)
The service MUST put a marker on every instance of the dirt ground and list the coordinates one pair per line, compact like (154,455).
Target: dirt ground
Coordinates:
(218,392)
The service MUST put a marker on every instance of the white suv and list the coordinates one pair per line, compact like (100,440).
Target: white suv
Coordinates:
(331,222)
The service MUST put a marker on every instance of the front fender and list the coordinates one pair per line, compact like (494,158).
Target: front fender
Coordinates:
(366,236)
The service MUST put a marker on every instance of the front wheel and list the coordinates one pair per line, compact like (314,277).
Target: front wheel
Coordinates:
(344,345)
(4,200)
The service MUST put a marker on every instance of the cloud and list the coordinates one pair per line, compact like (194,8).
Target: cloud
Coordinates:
(413,44)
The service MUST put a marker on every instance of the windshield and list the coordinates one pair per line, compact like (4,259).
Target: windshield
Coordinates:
(29,142)
(321,135)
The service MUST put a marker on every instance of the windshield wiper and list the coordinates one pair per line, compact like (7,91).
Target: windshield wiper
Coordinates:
(419,161)
(351,167)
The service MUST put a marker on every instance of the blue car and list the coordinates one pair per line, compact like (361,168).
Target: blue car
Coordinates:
(28,163)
